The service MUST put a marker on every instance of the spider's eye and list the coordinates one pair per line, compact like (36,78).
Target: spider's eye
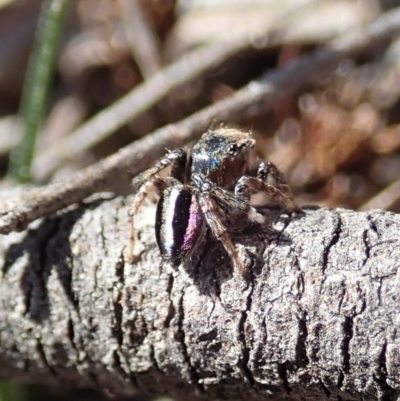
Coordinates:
(232,148)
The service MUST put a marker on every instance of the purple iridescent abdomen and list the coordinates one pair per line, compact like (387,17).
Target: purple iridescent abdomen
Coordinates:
(179,223)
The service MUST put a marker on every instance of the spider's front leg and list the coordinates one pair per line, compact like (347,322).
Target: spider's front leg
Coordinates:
(178,159)
(268,186)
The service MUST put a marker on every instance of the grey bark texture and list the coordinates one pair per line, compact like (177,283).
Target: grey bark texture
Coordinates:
(317,316)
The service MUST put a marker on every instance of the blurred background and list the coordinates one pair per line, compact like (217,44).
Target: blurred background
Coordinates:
(338,142)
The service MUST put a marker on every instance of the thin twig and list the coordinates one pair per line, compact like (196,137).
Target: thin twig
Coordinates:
(384,199)
(146,95)
(257,96)
(144,44)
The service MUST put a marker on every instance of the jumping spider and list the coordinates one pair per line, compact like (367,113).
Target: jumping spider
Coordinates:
(219,184)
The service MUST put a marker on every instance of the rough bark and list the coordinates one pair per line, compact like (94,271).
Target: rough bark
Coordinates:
(317,317)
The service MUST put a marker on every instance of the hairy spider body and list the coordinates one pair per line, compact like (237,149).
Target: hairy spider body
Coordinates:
(218,184)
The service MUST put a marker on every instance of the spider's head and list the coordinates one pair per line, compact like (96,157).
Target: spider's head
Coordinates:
(227,142)
(223,155)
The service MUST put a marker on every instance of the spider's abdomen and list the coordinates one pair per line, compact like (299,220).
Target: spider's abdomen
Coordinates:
(179,223)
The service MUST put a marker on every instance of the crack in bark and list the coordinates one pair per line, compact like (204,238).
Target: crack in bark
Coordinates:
(366,239)
(372,225)
(73,299)
(301,351)
(334,240)
(119,367)
(117,329)
(171,307)
(379,291)
(43,358)
(38,270)
(243,363)
(28,297)
(181,337)
(117,304)
(105,248)
(71,336)
(118,309)
(282,373)
(367,247)
(72,296)
(327,249)
(300,282)
(154,360)
(348,335)
(325,389)
(120,269)
(387,392)
(210,314)
(340,380)
(117,326)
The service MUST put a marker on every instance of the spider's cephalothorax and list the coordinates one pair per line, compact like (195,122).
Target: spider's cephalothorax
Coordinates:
(223,156)
(218,184)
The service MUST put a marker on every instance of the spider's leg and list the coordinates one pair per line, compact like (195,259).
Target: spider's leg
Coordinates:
(220,232)
(178,159)
(214,203)
(268,186)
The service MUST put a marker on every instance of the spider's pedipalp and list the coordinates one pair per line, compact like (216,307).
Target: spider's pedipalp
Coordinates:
(267,172)
(268,186)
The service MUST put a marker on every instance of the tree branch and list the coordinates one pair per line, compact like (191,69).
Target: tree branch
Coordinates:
(316,317)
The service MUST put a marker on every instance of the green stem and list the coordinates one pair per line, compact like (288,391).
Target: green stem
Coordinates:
(35,94)
(12,391)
